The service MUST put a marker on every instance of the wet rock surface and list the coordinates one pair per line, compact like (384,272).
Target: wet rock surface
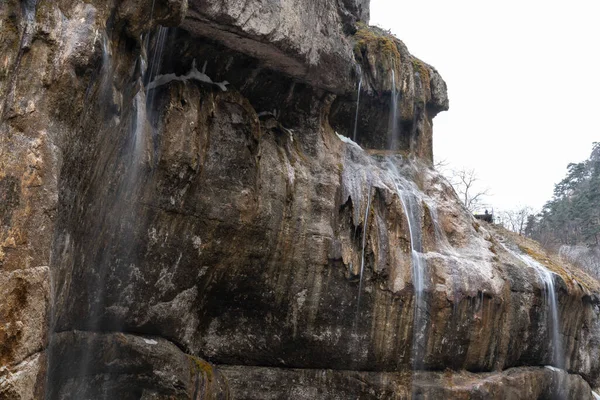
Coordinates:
(386,70)
(128,366)
(186,186)
(251,383)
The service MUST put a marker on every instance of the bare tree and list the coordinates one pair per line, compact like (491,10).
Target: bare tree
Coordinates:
(516,220)
(441,165)
(464,182)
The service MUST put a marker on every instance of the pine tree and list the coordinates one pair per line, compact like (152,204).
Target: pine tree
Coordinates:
(572,216)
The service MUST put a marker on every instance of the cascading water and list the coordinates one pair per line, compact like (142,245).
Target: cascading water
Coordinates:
(393,135)
(442,242)
(546,277)
(151,74)
(357,105)
(105,51)
(364,242)
(411,205)
(155,62)
(116,249)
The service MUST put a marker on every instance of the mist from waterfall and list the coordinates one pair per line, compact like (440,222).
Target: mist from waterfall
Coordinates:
(128,173)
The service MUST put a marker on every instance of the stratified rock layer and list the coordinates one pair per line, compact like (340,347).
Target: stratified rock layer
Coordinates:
(259,383)
(187,187)
(127,366)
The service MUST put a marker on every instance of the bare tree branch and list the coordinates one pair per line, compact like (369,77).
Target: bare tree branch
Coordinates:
(516,219)
(440,165)
(464,182)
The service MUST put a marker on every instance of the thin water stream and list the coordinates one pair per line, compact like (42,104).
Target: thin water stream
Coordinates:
(394,135)
(364,242)
(357,107)
(552,317)
(121,209)
(411,204)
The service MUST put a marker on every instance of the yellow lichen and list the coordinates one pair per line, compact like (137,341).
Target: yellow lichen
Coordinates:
(570,274)
(547,262)
(420,67)
(199,366)
(376,46)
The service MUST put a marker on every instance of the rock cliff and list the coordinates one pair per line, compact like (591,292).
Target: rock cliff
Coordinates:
(183,216)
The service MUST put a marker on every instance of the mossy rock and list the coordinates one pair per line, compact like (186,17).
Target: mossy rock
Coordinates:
(547,263)
(199,366)
(377,47)
(420,67)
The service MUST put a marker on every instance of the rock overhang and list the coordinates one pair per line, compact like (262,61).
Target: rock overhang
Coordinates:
(303,39)
(231,304)
(328,46)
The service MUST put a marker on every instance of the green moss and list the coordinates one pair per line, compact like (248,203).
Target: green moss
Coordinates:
(420,67)
(375,42)
(199,366)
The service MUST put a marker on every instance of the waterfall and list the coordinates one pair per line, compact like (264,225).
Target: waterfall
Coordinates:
(412,210)
(357,104)
(139,135)
(440,237)
(550,292)
(155,61)
(393,130)
(117,229)
(546,277)
(364,242)
(105,51)
(106,70)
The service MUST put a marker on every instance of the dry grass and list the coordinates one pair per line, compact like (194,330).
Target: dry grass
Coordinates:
(567,271)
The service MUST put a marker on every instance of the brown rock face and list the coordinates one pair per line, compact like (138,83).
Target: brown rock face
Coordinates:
(387,71)
(174,195)
(130,367)
(515,383)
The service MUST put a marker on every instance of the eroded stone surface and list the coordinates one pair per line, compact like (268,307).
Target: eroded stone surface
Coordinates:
(23,313)
(233,222)
(232,207)
(304,39)
(248,383)
(25,380)
(129,367)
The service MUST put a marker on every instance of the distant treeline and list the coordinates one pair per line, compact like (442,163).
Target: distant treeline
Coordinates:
(572,217)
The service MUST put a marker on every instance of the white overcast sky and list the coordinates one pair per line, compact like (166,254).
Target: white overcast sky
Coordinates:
(524,85)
